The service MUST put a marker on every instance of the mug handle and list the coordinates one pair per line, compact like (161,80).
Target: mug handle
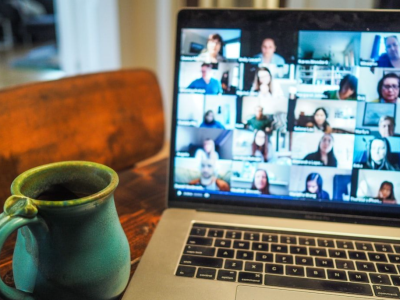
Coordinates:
(19,211)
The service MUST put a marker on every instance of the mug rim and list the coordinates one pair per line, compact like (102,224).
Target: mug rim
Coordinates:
(20,179)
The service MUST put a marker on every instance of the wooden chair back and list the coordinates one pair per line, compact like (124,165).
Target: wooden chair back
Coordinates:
(114,118)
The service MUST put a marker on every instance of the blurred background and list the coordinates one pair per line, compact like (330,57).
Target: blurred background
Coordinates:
(50,39)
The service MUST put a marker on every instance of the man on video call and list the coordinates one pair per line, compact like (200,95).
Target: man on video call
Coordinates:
(268,55)
(208,178)
(206,82)
(260,121)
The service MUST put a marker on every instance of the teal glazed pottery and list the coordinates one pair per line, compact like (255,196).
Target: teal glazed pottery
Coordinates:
(73,248)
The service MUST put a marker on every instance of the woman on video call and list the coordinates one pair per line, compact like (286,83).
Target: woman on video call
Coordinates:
(325,153)
(386,193)
(388,89)
(259,147)
(378,155)
(319,121)
(347,89)
(260,182)
(314,186)
(211,53)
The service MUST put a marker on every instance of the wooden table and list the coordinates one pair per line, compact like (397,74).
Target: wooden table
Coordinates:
(140,199)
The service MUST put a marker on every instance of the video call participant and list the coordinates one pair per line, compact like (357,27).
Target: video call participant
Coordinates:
(325,153)
(259,147)
(386,193)
(390,59)
(208,151)
(210,122)
(208,178)
(263,81)
(347,89)
(378,156)
(314,186)
(211,85)
(260,182)
(211,53)
(388,89)
(268,55)
(260,121)
(386,126)
(319,121)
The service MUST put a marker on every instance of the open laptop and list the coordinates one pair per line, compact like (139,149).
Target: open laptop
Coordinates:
(284,177)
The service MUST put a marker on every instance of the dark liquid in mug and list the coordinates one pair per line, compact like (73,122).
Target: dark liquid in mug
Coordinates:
(61,193)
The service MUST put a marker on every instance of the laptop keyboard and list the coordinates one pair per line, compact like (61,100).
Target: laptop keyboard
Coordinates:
(286,259)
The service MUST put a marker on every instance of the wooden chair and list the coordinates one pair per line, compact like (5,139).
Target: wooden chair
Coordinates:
(114,118)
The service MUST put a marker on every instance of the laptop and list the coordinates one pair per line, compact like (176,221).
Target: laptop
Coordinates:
(284,178)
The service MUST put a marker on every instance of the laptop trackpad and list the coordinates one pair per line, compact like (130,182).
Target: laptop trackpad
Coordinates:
(258,293)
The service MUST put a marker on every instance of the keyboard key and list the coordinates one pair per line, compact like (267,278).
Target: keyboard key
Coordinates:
(344,244)
(288,239)
(344,264)
(223,243)
(386,291)
(225,275)
(304,260)
(260,247)
(379,278)
(236,235)
(397,248)
(265,257)
(255,278)
(185,271)
(395,280)
(198,231)
(393,258)
(279,248)
(284,259)
(315,273)
(253,267)
(298,250)
(326,243)
(377,257)
(246,255)
(270,238)
(357,255)
(295,271)
(199,250)
(386,268)
(365,266)
(307,241)
(201,261)
(336,274)
(206,273)
(324,262)
(233,265)
(364,246)
(251,236)
(358,277)
(193,240)
(215,233)
(241,245)
(334,253)
(383,248)
(226,253)
(273,269)
(319,285)
(317,252)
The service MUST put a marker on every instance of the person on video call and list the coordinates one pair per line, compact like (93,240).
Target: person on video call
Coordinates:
(260,121)
(325,153)
(347,89)
(212,52)
(208,177)
(208,151)
(319,121)
(268,55)
(260,182)
(388,89)
(386,193)
(386,126)
(314,184)
(206,82)
(378,156)
(259,147)
(390,59)
(210,122)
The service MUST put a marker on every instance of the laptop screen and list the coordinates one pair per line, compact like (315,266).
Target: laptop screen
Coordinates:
(288,109)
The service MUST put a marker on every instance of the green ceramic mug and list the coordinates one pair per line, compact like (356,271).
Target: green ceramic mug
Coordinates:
(70,243)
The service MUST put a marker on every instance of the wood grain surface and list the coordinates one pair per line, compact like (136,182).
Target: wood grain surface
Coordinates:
(140,199)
